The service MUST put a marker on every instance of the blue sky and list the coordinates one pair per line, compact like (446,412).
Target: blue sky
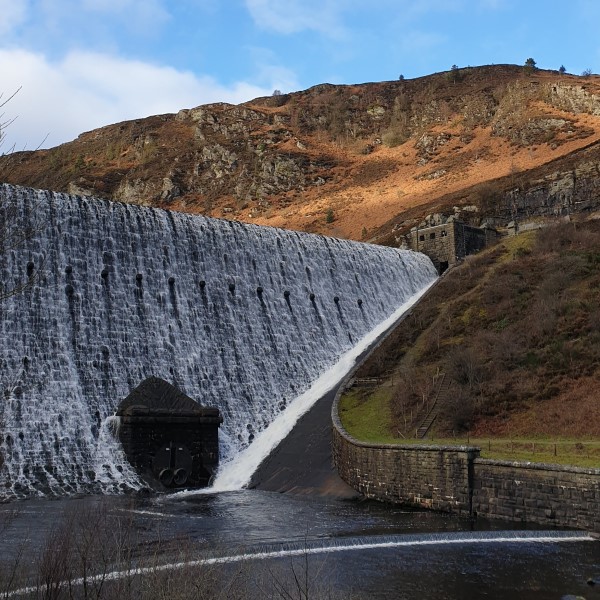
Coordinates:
(87,63)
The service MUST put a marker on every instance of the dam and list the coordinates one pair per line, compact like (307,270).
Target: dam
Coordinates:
(241,317)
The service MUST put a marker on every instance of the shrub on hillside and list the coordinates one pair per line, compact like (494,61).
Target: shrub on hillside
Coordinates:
(568,236)
(457,413)
(393,138)
(489,199)
(465,367)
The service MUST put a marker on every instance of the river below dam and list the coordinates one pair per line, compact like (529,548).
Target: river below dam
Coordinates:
(350,548)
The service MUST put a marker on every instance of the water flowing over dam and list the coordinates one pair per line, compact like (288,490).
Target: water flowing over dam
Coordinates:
(237,316)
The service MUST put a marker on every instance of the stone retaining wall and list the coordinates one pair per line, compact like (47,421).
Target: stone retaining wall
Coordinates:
(530,492)
(425,476)
(454,479)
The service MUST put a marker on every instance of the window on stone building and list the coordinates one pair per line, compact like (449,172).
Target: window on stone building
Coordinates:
(421,238)
(432,236)
(444,233)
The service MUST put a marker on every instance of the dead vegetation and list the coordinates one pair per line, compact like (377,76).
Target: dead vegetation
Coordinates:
(372,152)
(517,329)
(91,552)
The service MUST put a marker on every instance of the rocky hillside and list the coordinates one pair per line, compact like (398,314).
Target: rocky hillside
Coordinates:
(359,161)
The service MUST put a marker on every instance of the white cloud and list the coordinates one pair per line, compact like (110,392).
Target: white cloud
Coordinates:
(87,90)
(56,25)
(340,18)
(268,70)
(284,79)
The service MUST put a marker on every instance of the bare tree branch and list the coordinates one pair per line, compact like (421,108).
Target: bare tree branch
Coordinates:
(13,233)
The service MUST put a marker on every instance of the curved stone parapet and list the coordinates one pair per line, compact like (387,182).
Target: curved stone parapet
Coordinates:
(455,479)
(435,477)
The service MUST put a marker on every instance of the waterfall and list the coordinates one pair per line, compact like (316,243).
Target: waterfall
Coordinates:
(237,316)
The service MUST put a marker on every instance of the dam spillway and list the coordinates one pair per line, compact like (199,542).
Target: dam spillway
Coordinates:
(237,316)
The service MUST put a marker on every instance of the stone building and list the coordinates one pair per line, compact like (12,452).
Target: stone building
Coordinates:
(449,242)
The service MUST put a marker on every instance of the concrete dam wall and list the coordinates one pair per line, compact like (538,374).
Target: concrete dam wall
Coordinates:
(237,316)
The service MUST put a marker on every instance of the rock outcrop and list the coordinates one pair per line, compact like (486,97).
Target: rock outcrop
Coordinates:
(369,153)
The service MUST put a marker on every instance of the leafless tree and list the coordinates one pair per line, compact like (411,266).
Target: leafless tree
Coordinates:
(12,234)
(6,121)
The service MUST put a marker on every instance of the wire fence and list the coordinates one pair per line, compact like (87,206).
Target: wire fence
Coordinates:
(546,450)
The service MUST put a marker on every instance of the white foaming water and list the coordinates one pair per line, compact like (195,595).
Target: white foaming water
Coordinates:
(332,546)
(237,473)
(237,316)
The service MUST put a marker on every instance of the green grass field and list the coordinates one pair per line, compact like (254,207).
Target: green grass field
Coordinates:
(368,421)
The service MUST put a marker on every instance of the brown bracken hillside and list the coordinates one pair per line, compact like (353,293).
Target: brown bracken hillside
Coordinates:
(359,161)
(516,330)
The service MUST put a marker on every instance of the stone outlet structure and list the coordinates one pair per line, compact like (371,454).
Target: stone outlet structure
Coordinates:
(455,479)
(169,438)
(449,242)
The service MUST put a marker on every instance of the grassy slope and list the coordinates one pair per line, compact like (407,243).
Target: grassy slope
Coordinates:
(517,331)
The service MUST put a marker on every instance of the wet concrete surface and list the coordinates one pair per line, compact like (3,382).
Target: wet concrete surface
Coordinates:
(302,464)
